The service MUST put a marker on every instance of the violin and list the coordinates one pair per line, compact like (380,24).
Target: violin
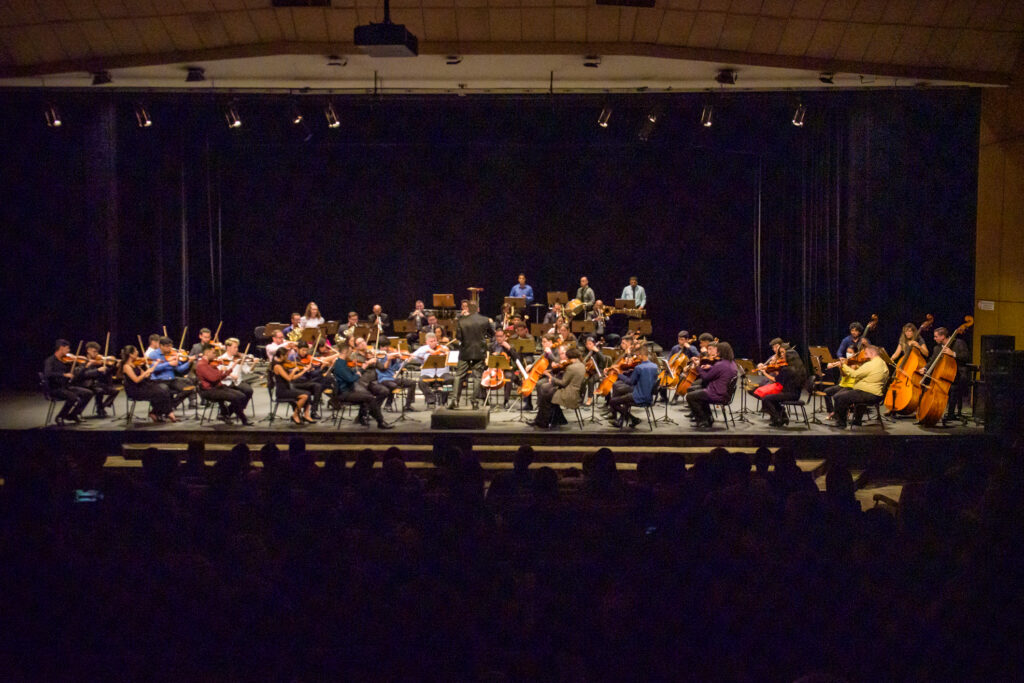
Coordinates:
(74,359)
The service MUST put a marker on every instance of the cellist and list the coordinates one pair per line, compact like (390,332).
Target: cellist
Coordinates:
(958,351)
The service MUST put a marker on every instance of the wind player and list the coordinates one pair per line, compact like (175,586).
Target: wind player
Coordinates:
(635,292)
(521,290)
(586,294)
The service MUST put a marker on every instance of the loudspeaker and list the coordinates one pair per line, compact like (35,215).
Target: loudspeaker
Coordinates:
(1004,408)
(994,342)
(459,419)
(1003,365)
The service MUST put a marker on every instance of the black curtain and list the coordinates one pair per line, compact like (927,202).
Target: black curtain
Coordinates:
(749,229)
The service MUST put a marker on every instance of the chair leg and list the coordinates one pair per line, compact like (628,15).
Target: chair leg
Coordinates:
(807,422)
(579,416)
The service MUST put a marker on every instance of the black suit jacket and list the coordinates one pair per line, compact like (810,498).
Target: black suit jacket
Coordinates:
(472,333)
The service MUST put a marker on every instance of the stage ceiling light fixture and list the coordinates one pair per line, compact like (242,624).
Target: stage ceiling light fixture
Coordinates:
(827,77)
(231,115)
(101,77)
(296,115)
(331,116)
(726,77)
(336,60)
(453,60)
(799,115)
(606,115)
(142,116)
(196,74)
(52,116)
(385,39)
(706,115)
(592,61)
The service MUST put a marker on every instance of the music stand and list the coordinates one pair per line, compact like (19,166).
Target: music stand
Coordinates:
(748,368)
(539,329)
(444,301)
(583,326)
(271,328)
(537,317)
(640,327)
(518,303)
(330,328)
(309,335)
(404,326)
(822,353)
(361,330)
(435,361)
(558,298)
(624,303)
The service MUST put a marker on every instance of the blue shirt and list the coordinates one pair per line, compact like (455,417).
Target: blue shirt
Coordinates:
(526,291)
(845,344)
(164,370)
(388,373)
(643,378)
(345,376)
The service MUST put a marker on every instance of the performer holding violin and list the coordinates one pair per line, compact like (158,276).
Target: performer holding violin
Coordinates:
(791,375)
(171,366)
(429,377)
(95,373)
(869,378)
(212,387)
(282,373)
(390,365)
(314,380)
(136,371)
(715,371)
(768,370)
(350,390)
(594,364)
(58,378)
(641,380)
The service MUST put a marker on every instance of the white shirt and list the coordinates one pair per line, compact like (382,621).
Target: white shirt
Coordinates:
(310,322)
(639,299)
(235,376)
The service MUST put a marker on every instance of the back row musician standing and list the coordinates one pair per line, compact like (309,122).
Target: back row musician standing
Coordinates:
(586,294)
(521,290)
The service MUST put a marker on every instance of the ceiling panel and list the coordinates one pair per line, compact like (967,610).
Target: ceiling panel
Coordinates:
(538,24)
(126,35)
(602,24)
(101,40)
(239,27)
(570,24)
(707,29)
(737,32)
(506,24)
(73,41)
(439,25)
(827,37)
(797,36)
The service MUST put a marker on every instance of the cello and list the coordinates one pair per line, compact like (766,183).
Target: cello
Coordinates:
(937,380)
(670,374)
(904,394)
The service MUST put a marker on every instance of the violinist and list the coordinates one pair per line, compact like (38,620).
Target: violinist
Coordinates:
(521,290)
(791,376)
(280,378)
(716,370)
(312,317)
(641,380)
(562,391)
(958,351)
(869,379)
(313,381)
(135,372)
(58,378)
(564,335)
(241,375)
(435,375)
(170,369)
(197,349)
(212,387)
(95,375)
(908,340)
(350,390)
(391,377)
(768,369)
(368,362)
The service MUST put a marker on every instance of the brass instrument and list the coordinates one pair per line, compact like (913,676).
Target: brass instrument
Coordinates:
(295,335)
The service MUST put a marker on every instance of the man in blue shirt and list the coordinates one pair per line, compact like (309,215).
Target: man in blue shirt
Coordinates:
(853,339)
(170,369)
(523,290)
(643,379)
(635,292)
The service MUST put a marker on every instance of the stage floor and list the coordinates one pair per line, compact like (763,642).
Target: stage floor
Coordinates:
(27,411)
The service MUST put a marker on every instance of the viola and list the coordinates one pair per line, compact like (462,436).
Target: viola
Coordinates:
(73,358)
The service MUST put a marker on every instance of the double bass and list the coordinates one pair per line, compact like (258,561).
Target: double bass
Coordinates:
(937,380)
(904,394)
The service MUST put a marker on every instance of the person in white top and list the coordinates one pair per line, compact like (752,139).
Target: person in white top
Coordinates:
(635,292)
(277,342)
(312,318)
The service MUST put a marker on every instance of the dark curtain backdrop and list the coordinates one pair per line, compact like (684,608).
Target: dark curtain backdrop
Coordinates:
(750,229)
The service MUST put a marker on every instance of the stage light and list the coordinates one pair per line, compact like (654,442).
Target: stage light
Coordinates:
(827,77)
(726,77)
(592,61)
(296,113)
(196,74)
(331,116)
(799,115)
(101,77)
(232,117)
(705,115)
(453,60)
(142,116)
(52,116)
(606,115)
(652,116)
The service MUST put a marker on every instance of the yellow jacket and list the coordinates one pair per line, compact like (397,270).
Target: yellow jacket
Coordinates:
(870,376)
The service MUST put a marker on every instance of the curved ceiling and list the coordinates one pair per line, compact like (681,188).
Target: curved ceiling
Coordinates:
(513,44)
